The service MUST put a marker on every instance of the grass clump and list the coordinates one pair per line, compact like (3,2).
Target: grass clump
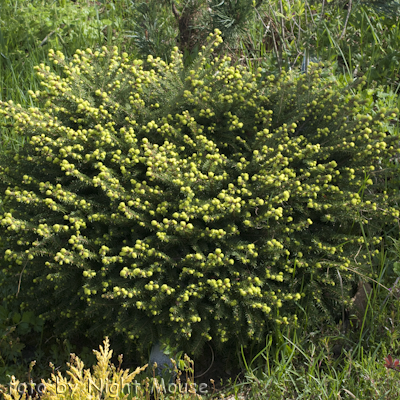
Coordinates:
(214,203)
(312,373)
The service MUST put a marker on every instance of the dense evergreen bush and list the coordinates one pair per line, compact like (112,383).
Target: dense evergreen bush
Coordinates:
(156,201)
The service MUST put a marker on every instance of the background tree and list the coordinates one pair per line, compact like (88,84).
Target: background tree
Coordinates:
(191,21)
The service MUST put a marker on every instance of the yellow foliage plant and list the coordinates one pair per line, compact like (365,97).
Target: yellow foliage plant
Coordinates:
(107,382)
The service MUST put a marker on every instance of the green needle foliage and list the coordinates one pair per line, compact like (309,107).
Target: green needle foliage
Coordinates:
(213,203)
(390,8)
(159,25)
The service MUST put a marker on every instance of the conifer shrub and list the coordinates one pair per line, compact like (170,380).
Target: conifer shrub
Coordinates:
(190,205)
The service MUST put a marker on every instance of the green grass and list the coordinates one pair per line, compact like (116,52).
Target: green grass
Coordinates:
(281,35)
(28,29)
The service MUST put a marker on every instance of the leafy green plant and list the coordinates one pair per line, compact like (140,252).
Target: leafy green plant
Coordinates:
(15,328)
(157,202)
(359,36)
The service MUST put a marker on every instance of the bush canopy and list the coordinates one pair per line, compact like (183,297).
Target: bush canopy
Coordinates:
(192,204)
